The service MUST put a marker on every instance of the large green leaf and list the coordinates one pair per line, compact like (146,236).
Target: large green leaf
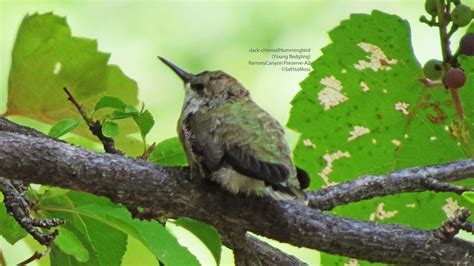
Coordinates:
(46,58)
(363,111)
(102,227)
(206,233)
(70,244)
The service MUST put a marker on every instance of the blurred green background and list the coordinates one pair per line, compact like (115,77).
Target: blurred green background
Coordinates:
(199,36)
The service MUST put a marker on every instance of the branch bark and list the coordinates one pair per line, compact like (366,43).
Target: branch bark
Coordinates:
(407,180)
(131,182)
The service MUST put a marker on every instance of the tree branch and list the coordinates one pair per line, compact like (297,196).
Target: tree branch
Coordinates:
(45,161)
(18,207)
(252,251)
(452,226)
(415,179)
(94,125)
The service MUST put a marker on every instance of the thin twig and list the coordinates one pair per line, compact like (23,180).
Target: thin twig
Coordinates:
(434,178)
(18,207)
(428,83)
(457,102)
(36,256)
(94,126)
(452,226)
(437,186)
(148,151)
(468,227)
(3,262)
(443,17)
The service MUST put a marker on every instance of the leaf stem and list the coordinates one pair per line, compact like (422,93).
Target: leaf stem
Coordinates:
(443,21)
(444,38)
(457,103)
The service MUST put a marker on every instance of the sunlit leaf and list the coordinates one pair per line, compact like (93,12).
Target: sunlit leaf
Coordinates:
(363,111)
(63,127)
(102,227)
(169,152)
(206,233)
(469,196)
(110,102)
(46,58)
(145,122)
(110,129)
(68,242)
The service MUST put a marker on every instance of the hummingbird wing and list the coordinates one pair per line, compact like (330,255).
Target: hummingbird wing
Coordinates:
(251,166)
(243,135)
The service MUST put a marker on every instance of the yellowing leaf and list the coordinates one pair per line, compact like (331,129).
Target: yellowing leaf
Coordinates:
(46,58)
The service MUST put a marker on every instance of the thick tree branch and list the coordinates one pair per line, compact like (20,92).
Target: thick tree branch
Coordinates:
(416,179)
(45,161)
(252,251)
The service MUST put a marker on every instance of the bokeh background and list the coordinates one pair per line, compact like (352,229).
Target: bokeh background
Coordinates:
(199,36)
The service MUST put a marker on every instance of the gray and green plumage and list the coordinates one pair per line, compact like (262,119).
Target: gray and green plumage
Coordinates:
(231,140)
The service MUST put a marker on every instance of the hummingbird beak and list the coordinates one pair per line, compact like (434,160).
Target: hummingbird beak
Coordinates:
(185,76)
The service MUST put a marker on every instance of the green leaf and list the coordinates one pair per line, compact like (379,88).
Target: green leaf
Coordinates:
(363,111)
(169,152)
(469,196)
(63,127)
(59,258)
(145,122)
(206,233)
(464,131)
(117,115)
(68,242)
(46,58)
(110,129)
(51,192)
(9,228)
(110,102)
(88,217)
(130,109)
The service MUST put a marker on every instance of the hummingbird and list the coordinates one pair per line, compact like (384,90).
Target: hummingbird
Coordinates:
(230,140)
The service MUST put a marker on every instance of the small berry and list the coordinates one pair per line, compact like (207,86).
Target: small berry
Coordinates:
(461,15)
(454,78)
(431,7)
(466,45)
(433,69)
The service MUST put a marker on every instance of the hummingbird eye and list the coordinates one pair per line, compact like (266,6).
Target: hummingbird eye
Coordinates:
(197,86)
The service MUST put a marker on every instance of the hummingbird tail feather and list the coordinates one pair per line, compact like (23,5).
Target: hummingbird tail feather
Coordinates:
(303,178)
(282,192)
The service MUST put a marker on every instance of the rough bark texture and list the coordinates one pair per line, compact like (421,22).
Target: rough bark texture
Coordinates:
(135,183)
(256,252)
(406,180)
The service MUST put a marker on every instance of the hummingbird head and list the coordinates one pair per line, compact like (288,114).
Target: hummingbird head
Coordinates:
(209,85)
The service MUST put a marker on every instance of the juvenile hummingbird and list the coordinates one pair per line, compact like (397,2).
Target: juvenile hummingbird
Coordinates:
(228,138)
